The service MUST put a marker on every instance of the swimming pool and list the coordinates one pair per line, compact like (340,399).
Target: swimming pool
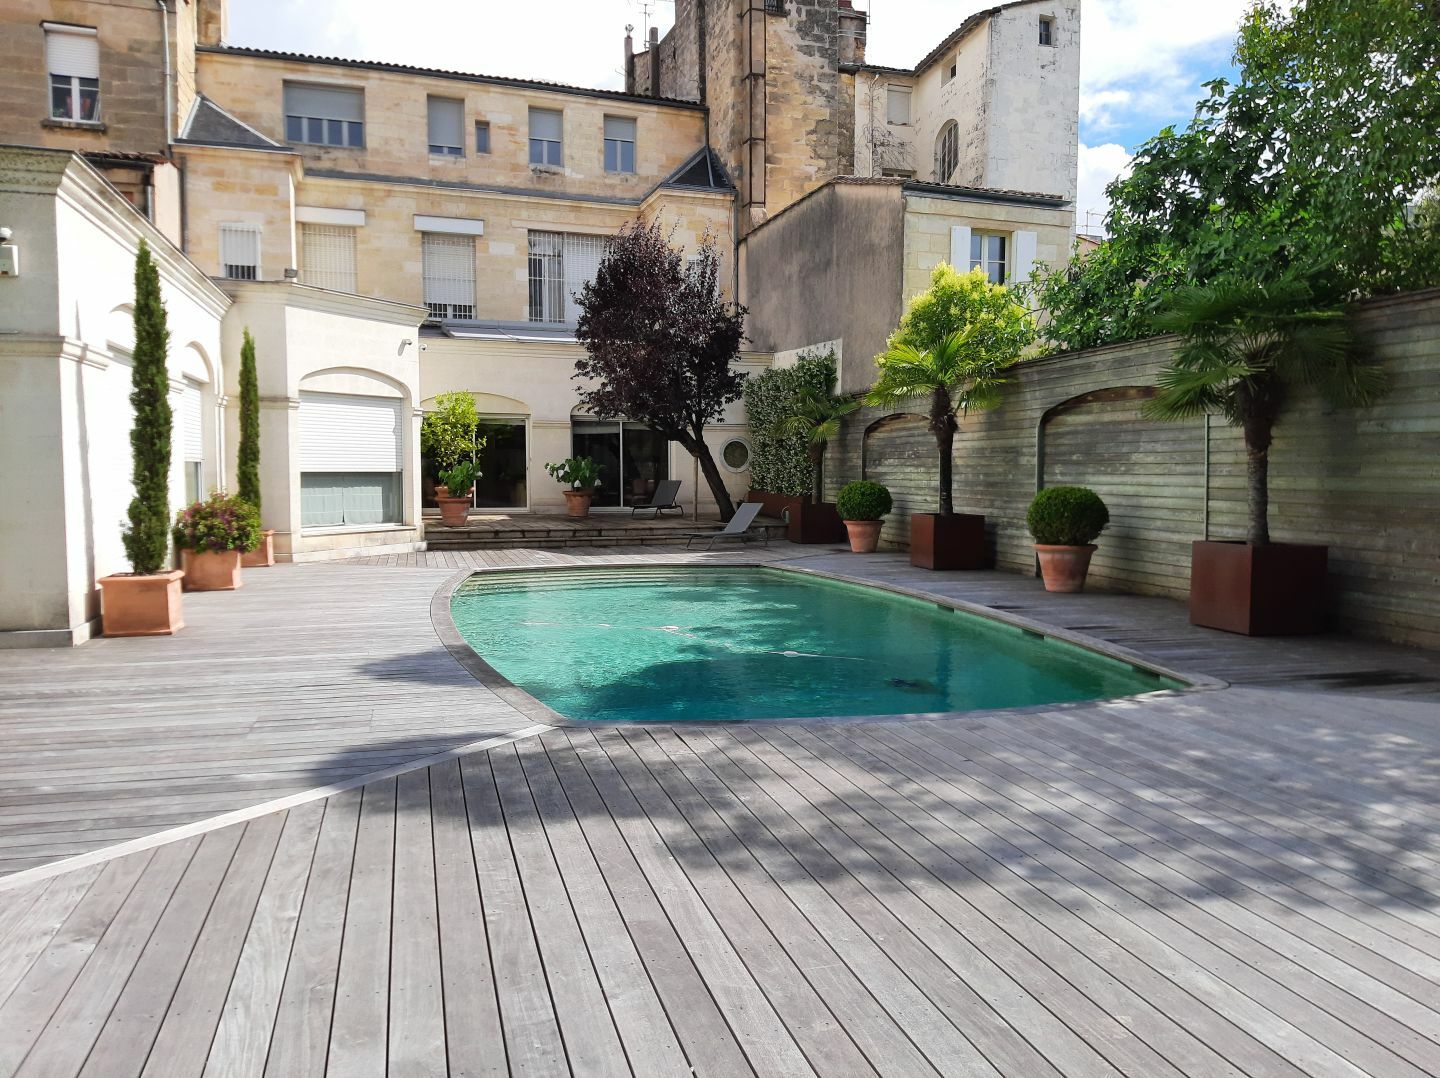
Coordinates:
(721,644)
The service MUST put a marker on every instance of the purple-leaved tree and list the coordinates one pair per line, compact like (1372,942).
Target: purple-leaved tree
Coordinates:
(660,342)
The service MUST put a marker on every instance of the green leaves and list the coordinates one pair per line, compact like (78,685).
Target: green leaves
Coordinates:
(248,455)
(146,539)
(779,457)
(447,435)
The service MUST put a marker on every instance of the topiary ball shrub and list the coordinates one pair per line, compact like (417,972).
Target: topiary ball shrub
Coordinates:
(221,522)
(863,500)
(1067,516)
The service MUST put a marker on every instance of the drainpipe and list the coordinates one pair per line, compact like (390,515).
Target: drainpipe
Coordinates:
(169,75)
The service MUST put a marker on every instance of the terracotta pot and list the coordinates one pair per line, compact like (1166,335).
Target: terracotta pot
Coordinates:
(211,570)
(453,511)
(815,522)
(133,605)
(1281,589)
(441,491)
(577,502)
(1063,568)
(953,542)
(864,535)
(263,555)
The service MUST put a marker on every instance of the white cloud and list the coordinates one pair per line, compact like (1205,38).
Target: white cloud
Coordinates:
(1098,166)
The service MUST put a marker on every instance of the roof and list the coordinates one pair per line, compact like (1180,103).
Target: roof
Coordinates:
(954,38)
(702,170)
(442,73)
(208,123)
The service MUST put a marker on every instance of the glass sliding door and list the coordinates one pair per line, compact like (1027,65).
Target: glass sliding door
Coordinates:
(502,461)
(600,441)
(632,459)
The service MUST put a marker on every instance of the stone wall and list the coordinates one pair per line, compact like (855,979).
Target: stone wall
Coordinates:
(1364,481)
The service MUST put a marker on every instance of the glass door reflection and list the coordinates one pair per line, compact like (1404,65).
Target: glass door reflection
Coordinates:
(633,459)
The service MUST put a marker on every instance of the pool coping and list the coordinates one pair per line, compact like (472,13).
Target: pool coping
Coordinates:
(538,712)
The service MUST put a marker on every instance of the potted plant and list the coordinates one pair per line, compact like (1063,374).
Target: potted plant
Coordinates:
(212,536)
(582,475)
(247,472)
(458,484)
(861,504)
(146,601)
(1244,349)
(447,435)
(815,415)
(1065,522)
(951,349)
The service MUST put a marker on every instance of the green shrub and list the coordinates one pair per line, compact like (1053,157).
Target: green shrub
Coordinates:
(447,435)
(780,462)
(863,500)
(1067,516)
(459,479)
(221,522)
(578,473)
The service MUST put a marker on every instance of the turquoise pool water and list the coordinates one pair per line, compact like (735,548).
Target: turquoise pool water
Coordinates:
(668,645)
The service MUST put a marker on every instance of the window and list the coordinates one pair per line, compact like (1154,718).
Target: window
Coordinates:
(775,7)
(547,145)
(950,69)
(72,55)
(349,499)
(482,136)
(351,454)
(988,252)
(192,438)
(736,455)
(619,144)
(947,152)
(897,104)
(324,115)
(327,256)
(561,265)
(447,121)
(240,252)
(1047,30)
(448,273)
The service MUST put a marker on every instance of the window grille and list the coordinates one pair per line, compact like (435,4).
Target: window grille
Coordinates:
(446,123)
(240,252)
(561,265)
(448,273)
(324,115)
(72,55)
(947,152)
(547,138)
(619,144)
(482,136)
(327,256)
(988,252)
(897,104)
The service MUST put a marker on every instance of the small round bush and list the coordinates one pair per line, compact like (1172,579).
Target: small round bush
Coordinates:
(1067,516)
(221,522)
(862,500)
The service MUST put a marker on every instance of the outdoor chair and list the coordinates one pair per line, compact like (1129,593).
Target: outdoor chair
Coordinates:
(738,528)
(662,499)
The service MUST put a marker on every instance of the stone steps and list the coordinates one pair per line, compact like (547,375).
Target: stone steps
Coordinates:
(538,536)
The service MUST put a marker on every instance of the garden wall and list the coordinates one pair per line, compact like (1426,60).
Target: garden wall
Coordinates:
(1365,481)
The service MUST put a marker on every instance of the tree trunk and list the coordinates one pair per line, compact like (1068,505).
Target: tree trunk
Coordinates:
(696,446)
(817,474)
(1258,423)
(942,423)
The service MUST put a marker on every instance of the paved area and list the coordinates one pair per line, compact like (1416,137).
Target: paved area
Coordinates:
(1234,881)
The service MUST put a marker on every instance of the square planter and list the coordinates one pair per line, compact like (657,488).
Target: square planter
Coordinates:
(775,505)
(815,522)
(953,542)
(1276,590)
(211,570)
(132,605)
(263,555)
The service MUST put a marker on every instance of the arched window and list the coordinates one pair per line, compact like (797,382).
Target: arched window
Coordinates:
(947,152)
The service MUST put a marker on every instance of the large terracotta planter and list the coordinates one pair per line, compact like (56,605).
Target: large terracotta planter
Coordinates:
(133,605)
(211,570)
(864,535)
(953,542)
(453,511)
(1063,568)
(1281,589)
(577,502)
(263,555)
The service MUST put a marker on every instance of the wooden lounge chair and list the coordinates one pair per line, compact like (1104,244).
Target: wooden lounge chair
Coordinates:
(738,528)
(662,499)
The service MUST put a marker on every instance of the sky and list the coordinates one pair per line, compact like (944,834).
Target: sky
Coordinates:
(1142,61)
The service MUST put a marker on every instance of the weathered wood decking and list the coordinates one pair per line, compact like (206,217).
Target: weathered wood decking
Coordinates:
(1239,881)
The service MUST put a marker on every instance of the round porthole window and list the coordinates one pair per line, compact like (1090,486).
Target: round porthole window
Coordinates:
(736,455)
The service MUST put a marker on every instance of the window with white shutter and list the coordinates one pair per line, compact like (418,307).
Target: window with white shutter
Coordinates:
(324,115)
(897,105)
(561,265)
(327,256)
(547,138)
(240,252)
(192,438)
(72,57)
(448,271)
(447,126)
(351,453)
(619,144)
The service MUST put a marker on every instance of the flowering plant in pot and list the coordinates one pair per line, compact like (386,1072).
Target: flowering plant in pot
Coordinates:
(458,483)
(1065,522)
(861,504)
(583,476)
(211,537)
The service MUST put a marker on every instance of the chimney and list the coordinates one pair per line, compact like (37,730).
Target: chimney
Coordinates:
(654,61)
(210,22)
(629,60)
(853,28)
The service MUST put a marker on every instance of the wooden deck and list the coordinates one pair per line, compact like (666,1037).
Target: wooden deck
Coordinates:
(1243,881)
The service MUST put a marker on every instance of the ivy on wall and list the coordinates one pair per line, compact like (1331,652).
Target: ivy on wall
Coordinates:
(779,463)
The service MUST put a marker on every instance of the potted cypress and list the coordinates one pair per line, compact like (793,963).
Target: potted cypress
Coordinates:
(146,601)
(815,415)
(1065,522)
(861,505)
(459,483)
(952,348)
(583,476)
(1244,348)
(212,537)
(248,456)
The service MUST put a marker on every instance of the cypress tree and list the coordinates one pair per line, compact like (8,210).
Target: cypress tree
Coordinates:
(249,453)
(147,538)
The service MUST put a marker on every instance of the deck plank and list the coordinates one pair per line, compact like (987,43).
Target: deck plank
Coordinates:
(417,1011)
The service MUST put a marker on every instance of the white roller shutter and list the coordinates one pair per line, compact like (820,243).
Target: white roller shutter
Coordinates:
(327,255)
(326,102)
(192,423)
(448,274)
(340,432)
(72,51)
(582,262)
(960,247)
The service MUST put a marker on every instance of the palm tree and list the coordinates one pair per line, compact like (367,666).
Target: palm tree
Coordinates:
(816,415)
(1244,348)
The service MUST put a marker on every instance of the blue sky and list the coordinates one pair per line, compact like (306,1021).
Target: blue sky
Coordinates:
(1142,61)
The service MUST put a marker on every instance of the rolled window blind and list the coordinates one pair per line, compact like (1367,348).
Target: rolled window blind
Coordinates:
(324,102)
(447,120)
(73,52)
(448,268)
(618,127)
(545,124)
(328,256)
